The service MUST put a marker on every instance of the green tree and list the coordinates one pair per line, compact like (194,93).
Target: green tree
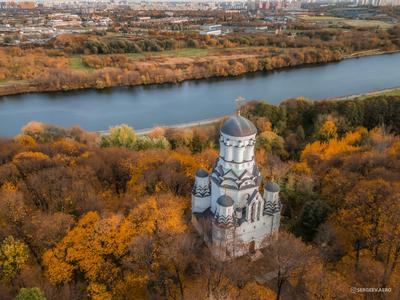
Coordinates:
(13,255)
(272,113)
(300,133)
(376,112)
(271,142)
(353,111)
(191,43)
(298,111)
(314,214)
(119,136)
(146,142)
(196,145)
(30,294)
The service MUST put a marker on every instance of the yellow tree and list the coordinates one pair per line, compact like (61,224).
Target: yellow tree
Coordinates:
(170,171)
(255,291)
(364,214)
(322,283)
(327,131)
(97,247)
(322,151)
(94,247)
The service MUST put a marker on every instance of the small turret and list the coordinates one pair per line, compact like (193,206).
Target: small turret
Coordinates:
(272,204)
(201,192)
(271,187)
(224,210)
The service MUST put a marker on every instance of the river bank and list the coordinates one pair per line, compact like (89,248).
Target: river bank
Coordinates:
(120,71)
(359,54)
(201,123)
(230,63)
(151,105)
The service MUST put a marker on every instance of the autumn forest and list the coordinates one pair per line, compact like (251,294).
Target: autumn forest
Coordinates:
(84,216)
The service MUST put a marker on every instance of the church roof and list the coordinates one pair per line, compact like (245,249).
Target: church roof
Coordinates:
(201,173)
(238,126)
(272,187)
(225,201)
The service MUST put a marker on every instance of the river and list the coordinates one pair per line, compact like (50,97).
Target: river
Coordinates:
(146,106)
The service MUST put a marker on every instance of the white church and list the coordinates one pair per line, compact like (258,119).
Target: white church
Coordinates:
(228,209)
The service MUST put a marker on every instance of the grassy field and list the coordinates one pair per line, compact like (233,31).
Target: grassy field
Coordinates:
(320,18)
(367,23)
(386,92)
(77,64)
(171,53)
(393,92)
(192,52)
(348,22)
(368,53)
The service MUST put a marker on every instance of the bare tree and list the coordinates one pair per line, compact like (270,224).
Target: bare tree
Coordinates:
(286,257)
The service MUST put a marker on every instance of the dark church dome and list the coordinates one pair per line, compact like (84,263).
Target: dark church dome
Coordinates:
(201,173)
(272,187)
(225,201)
(238,126)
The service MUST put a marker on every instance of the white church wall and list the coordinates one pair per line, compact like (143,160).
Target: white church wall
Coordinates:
(221,148)
(255,231)
(268,196)
(229,154)
(200,204)
(222,245)
(248,153)
(243,235)
(276,221)
(235,147)
(215,194)
(237,242)
(202,181)
(239,196)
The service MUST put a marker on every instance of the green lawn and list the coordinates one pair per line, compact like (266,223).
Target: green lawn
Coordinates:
(321,18)
(77,64)
(170,53)
(348,22)
(189,52)
(367,23)
(394,92)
